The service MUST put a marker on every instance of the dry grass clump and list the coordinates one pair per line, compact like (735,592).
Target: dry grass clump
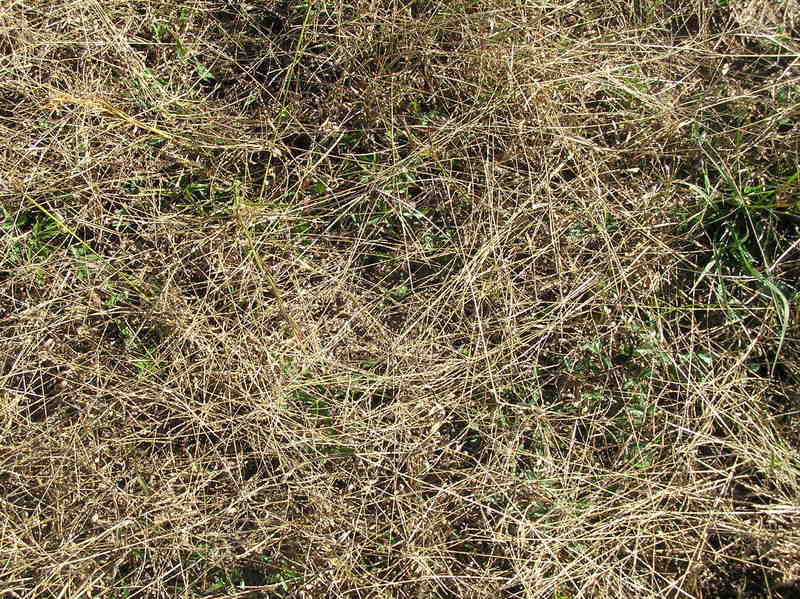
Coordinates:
(399,299)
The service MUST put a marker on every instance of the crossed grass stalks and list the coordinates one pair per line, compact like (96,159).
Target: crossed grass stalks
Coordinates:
(105,107)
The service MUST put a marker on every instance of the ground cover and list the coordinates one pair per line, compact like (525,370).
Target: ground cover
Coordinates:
(392,298)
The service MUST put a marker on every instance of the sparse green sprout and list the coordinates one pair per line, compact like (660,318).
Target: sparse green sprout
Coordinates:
(204,73)
(160,31)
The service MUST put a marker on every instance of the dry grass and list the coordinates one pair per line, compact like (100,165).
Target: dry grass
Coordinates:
(533,328)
